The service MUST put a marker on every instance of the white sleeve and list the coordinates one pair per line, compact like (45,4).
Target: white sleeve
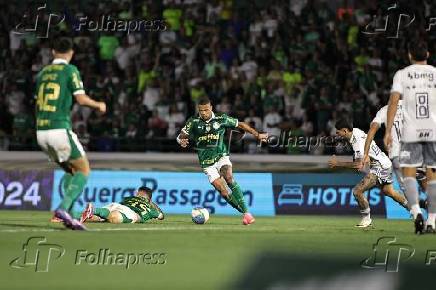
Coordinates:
(380,117)
(397,85)
(358,145)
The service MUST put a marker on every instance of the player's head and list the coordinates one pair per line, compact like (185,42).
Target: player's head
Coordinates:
(62,47)
(204,108)
(344,128)
(144,191)
(418,51)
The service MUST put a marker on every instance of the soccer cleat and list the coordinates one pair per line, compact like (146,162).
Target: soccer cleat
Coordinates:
(87,213)
(364,222)
(54,219)
(248,219)
(430,229)
(78,226)
(68,221)
(419,224)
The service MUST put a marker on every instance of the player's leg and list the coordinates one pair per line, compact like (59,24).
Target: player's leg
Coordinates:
(429,153)
(220,185)
(411,157)
(368,182)
(227,173)
(397,171)
(389,190)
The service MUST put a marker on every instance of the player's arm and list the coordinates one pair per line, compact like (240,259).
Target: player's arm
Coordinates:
(396,91)
(334,163)
(161,215)
(259,136)
(85,100)
(373,128)
(183,137)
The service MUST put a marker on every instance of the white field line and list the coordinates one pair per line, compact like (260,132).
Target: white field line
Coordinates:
(199,228)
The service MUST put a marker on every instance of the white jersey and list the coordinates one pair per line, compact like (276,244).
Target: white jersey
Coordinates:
(375,154)
(381,118)
(417,85)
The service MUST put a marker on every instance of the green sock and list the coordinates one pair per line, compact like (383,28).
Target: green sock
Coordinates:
(239,196)
(101,212)
(76,214)
(233,202)
(73,190)
(66,181)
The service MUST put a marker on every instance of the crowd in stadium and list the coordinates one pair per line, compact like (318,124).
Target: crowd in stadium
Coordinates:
(278,65)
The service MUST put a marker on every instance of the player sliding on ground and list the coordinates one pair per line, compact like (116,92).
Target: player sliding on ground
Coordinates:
(133,209)
(207,132)
(416,84)
(380,171)
(56,84)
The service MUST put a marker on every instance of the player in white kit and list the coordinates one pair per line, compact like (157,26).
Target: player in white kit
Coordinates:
(394,150)
(416,85)
(380,170)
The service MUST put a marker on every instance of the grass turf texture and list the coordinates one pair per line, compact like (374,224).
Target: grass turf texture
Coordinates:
(210,256)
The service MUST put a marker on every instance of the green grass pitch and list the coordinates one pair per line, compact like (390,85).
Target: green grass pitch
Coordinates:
(211,256)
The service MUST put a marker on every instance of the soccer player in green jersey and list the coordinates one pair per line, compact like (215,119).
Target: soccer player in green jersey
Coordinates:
(56,84)
(134,209)
(207,132)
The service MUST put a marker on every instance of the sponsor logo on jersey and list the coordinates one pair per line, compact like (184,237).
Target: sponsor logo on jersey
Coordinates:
(425,134)
(417,76)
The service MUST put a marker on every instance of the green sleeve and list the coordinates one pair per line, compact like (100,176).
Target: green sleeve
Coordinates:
(75,81)
(150,214)
(230,122)
(187,129)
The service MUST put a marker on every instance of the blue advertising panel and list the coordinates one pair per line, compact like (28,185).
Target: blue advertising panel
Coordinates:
(321,194)
(174,192)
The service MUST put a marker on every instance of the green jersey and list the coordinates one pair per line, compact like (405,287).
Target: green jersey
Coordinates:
(55,86)
(208,137)
(142,206)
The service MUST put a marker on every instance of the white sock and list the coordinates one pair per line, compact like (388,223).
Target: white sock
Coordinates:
(415,210)
(431,219)
(366,212)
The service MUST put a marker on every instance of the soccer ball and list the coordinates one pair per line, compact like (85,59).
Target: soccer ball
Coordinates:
(200,215)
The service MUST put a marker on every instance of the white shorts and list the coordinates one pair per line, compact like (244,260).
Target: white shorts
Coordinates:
(60,144)
(130,214)
(213,171)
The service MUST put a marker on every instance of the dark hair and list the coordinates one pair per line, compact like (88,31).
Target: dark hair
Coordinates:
(62,44)
(203,101)
(147,190)
(343,123)
(418,50)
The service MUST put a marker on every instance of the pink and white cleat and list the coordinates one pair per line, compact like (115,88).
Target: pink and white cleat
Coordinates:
(248,219)
(87,213)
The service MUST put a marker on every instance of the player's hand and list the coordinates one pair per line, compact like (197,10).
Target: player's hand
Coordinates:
(333,162)
(101,107)
(362,163)
(184,143)
(388,140)
(262,137)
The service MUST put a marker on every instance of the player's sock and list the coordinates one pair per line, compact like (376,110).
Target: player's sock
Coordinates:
(66,181)
(431,192)
(411,186)
(366,212)
(76,214)
(101,212)
(233,202)
(73,191)
(239,196)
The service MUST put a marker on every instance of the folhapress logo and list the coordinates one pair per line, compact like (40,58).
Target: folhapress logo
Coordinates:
(387,254)
(38,254)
